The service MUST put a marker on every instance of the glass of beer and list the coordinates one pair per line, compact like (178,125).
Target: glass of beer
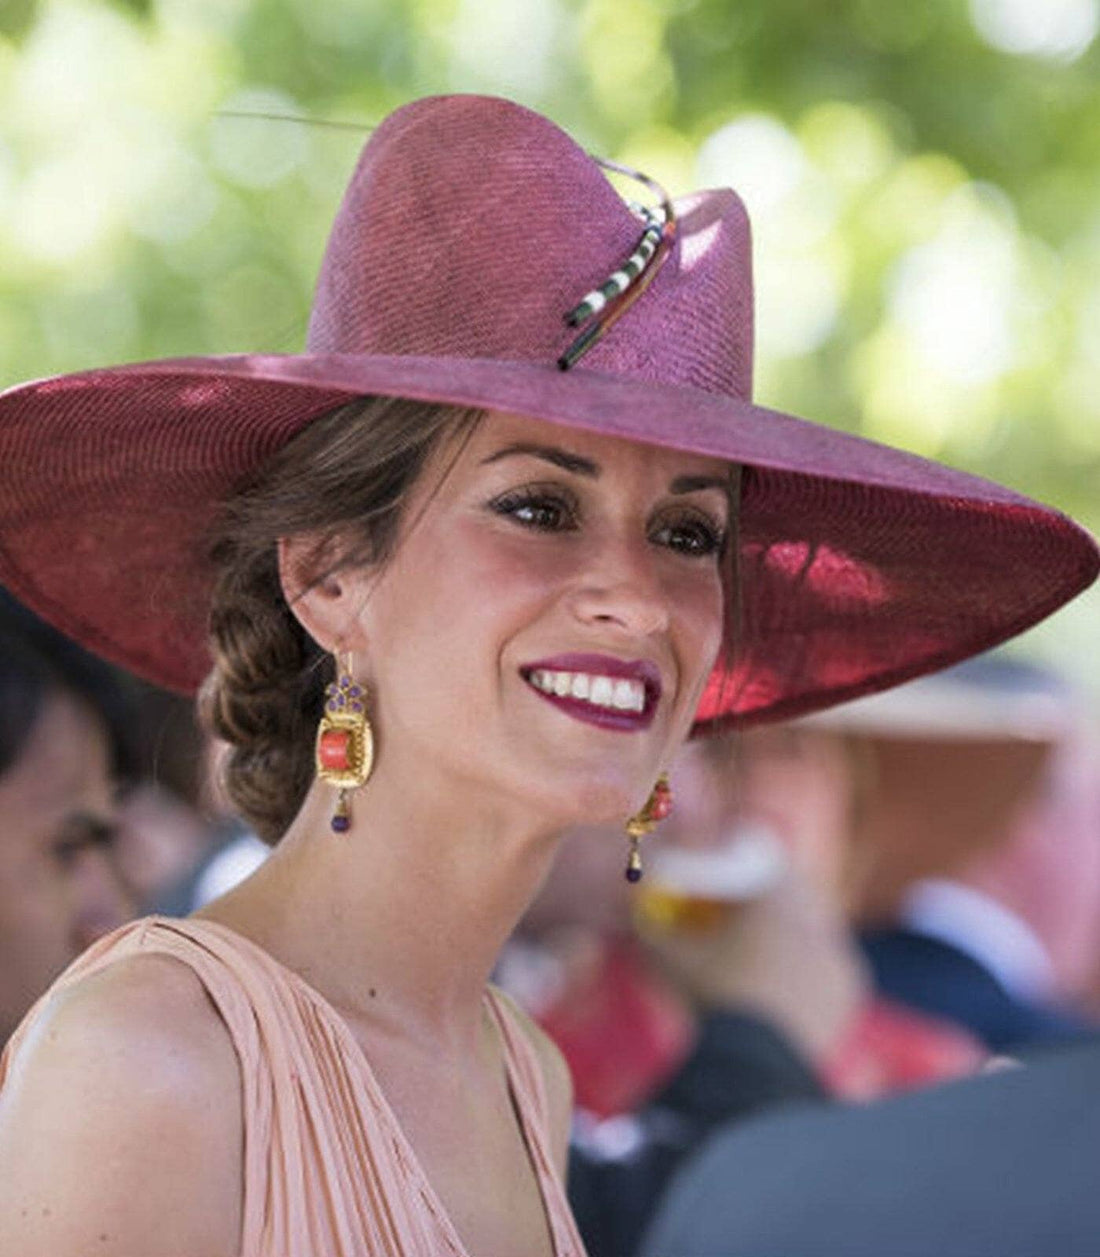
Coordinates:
(692,889)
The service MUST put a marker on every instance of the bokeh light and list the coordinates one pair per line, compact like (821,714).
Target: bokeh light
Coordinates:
(510,47)
(1061,29)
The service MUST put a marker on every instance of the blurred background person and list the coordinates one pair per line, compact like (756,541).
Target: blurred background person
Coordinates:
(66,723)
(797,791)
(975,851)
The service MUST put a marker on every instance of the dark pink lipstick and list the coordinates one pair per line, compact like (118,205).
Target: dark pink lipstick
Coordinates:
(614,718)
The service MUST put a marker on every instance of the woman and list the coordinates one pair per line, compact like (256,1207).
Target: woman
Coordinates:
(529,566)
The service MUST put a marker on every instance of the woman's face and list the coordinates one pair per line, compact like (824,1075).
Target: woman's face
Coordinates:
(549,618)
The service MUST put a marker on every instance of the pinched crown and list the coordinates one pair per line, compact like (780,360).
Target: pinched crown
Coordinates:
(472,225)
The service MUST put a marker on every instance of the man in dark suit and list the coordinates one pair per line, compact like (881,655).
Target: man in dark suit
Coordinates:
(1005,1165)
(947,980)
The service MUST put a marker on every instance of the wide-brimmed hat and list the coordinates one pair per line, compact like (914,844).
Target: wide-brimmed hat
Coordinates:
(470,228)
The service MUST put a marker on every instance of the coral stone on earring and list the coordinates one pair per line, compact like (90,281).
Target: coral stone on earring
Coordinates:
(660,803)
(334,750)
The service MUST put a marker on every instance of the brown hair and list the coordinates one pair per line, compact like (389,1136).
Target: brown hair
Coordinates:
(344,479)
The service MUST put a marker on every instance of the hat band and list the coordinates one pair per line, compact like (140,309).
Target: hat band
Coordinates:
(611,300)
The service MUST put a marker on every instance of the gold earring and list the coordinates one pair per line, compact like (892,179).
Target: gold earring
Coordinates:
(651,813)
(344,752)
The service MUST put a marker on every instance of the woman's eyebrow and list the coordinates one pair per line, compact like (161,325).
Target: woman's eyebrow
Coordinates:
(692,484)
(586,467)
(551,454)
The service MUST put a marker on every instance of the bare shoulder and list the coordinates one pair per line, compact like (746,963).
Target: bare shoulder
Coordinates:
(556,1078)
(120,1121)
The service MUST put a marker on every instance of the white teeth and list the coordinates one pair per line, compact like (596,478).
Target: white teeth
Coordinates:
(617,693)
(601,691)
(623,697)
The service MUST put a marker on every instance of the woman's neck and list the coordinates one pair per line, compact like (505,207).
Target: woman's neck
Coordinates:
(399,920)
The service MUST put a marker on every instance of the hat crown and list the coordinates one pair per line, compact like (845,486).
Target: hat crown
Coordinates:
(472,225)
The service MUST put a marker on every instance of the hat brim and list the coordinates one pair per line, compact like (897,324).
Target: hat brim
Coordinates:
(862,566)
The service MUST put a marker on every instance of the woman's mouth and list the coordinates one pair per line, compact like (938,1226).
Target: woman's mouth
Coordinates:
(611,693)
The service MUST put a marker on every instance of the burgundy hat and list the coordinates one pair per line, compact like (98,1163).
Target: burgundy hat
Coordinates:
(471,226)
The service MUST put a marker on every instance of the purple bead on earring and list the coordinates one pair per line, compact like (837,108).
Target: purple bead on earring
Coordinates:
(341,821)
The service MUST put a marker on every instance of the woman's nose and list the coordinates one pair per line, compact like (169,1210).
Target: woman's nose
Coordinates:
(621,588)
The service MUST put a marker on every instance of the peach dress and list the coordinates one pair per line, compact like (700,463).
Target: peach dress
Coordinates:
(328,1171)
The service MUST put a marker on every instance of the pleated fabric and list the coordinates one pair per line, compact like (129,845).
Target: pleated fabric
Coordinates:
(328,1171)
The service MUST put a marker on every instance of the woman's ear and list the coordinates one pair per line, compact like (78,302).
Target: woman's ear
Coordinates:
(320,595)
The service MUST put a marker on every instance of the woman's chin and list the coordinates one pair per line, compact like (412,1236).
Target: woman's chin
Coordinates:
(569,791)
(600,801)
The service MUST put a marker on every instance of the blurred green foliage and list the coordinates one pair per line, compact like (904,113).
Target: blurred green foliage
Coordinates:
(926,203)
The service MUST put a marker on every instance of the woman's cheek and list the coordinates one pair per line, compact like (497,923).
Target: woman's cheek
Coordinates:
(520,573)
(699,605)
(701,633)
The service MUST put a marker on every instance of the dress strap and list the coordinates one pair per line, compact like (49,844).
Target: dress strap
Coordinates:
(529,1093)
(524,1066)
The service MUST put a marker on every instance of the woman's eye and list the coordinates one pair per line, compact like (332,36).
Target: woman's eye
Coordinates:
(546,512)
(694,537)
